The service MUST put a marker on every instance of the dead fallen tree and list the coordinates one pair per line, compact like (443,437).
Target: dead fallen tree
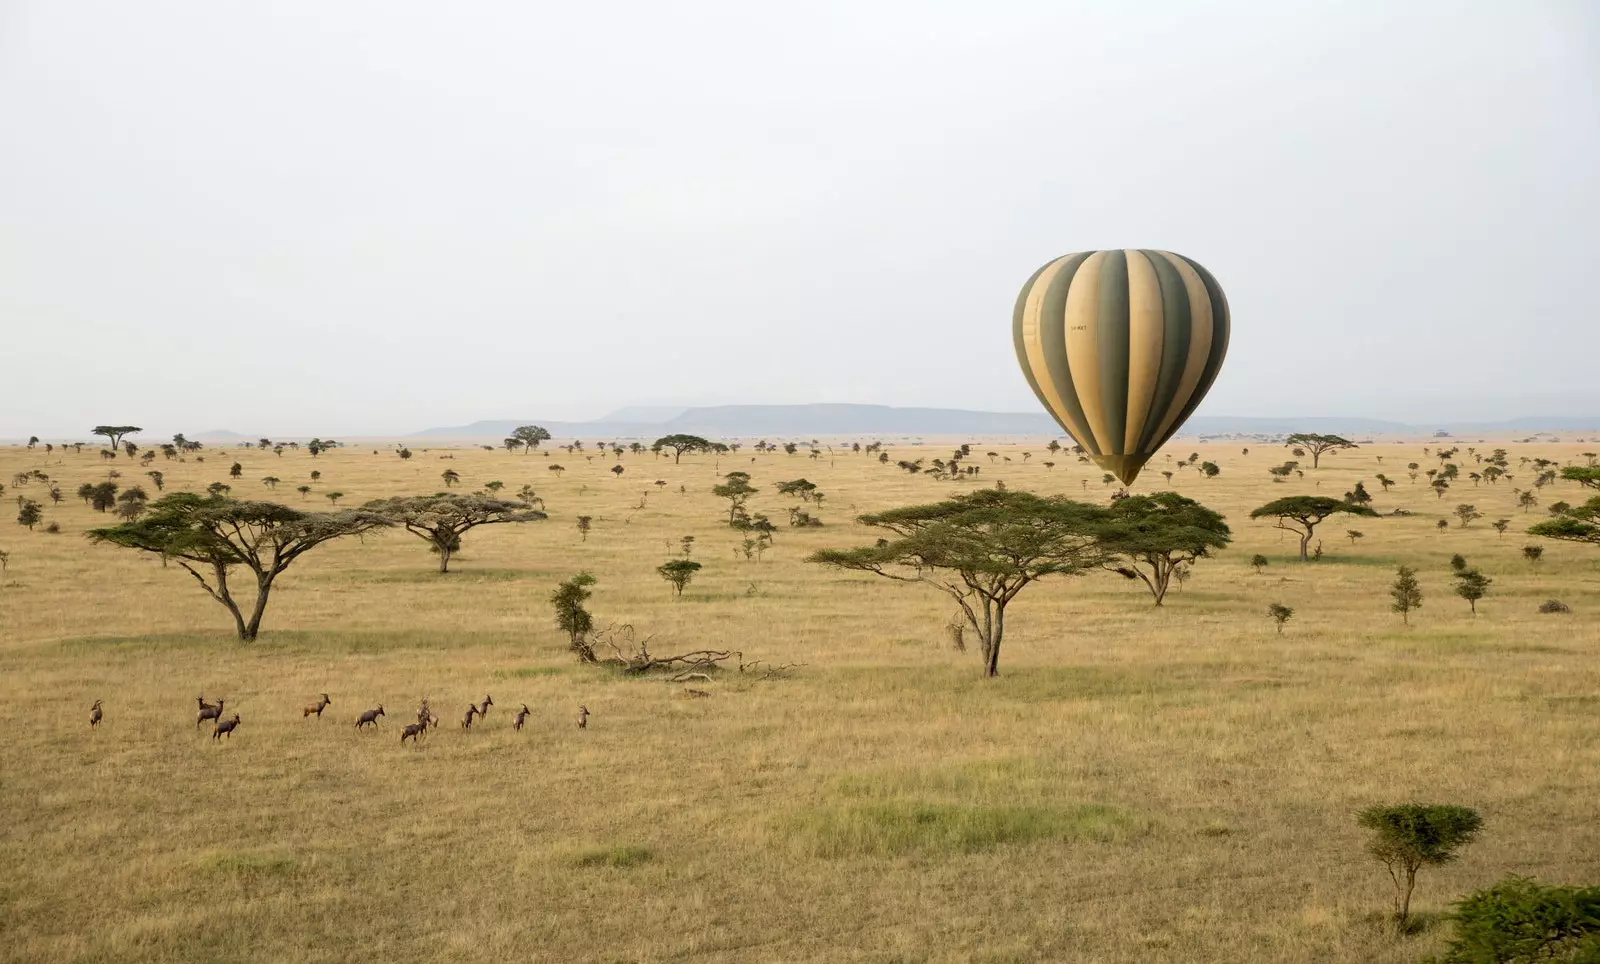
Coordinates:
(633,657)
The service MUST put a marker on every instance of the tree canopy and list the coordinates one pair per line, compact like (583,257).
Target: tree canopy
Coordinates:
(217,533)
(528,436)
(981,549)
(1318,444)
(1578,523)
(442,519)
(679,444)
(1587,476)
(1153,535)
(114,433)
(1301,514)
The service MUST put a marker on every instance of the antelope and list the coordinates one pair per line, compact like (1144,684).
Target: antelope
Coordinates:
(370,716)
(483,710)
(316,707)
(225,726)
(583,717)
(522,714)
(466,721)
(94,714)
(413,730)
(208,712)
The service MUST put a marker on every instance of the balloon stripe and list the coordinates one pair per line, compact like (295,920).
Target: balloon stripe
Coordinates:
(1174,347)
(1034,320)
(1113,322)
(1221,331)
(1083,348)
(1019,340)
(1052,335)
(1146,336)
(1199,344)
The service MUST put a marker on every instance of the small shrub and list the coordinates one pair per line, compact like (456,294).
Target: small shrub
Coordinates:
(1550,606)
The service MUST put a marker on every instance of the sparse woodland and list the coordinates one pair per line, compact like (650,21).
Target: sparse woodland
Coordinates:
(784,755)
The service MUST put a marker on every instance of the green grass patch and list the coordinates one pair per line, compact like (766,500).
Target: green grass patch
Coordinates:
(247,864)
(430,575)
(528,672)
(899,828)
(614,855)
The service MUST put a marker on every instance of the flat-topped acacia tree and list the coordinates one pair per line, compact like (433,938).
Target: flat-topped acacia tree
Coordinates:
(981,549)
(1301,514)
(217,533)
(114,433)
(1319,444)
(679,444)
(1154,536)
(441,520)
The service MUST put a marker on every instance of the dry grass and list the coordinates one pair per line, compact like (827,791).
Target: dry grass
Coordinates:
(1140,784)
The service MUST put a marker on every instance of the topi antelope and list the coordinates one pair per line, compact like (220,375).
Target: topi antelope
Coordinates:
(208,712)
(466,721)
(316,707)
(583,717)
(483,708)
(370,716)
(412,731)
(522,714)
(94,714)
(225,726)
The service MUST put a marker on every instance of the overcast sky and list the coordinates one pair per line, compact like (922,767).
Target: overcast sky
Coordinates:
(341,218)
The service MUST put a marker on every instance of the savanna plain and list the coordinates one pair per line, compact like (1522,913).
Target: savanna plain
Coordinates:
(1139,783)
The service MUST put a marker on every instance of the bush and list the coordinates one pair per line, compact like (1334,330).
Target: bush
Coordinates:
(1554,606)
(1519,921)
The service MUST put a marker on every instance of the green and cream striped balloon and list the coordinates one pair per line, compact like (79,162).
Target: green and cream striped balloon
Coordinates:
(1120,346)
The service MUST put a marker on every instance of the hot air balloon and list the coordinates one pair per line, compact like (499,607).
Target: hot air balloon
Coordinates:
(1120,346)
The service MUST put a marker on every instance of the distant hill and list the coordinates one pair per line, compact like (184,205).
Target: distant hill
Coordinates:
(731,421)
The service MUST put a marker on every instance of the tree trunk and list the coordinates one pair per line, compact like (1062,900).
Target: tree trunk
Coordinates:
(1305,540)
(263,590)
(226,598)
(444,557)
(1403,906)
(993,666)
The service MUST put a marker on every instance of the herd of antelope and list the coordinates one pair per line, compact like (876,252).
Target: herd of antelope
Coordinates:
(426,718)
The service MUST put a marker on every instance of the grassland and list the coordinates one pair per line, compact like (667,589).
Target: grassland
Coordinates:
(1140,784)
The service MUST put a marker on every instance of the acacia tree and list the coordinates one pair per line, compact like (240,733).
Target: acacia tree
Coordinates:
(1409,836)
(736,488)
(1587,476)
(678,572)
(1578,523)
(219,533)
(982,549)
(441,520)
(528,436)
(1319,444)
(1153,536)
(1301,514)
(114,433)
(679,444)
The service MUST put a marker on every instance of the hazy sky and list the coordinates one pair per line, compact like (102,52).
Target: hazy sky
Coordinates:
(296,218)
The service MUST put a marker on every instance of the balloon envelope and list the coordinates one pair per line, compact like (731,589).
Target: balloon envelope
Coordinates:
(1120,346)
